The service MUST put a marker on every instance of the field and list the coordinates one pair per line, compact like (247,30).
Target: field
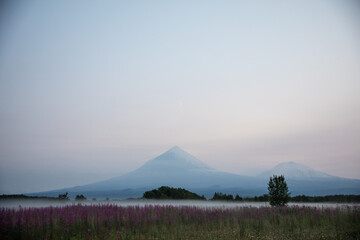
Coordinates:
(107,221)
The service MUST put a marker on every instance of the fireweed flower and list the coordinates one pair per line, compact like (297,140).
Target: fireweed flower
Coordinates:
(109,219)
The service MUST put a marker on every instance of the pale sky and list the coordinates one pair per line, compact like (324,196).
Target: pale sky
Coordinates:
(93,89)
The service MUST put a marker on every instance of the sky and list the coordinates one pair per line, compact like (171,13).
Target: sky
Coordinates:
(90,90)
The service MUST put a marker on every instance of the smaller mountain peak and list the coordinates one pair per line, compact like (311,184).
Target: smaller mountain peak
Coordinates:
(295,170)
(289,164)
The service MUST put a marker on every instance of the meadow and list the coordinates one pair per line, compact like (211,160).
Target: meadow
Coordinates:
(108,221)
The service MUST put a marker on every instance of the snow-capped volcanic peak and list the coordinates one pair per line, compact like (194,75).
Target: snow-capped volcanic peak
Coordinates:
(175,159)
(295,170)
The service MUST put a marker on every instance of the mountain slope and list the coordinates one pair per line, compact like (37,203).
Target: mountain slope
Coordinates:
(177,168)
(302,179)
(295,170)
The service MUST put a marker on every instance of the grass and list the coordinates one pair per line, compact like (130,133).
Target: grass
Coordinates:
(169,222)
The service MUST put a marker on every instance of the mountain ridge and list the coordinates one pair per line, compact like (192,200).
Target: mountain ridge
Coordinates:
(177,168)
(295,170)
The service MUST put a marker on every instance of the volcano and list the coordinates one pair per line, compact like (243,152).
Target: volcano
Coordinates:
(177,168)
(174,168)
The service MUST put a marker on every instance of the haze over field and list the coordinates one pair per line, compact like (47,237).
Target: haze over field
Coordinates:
(91,90)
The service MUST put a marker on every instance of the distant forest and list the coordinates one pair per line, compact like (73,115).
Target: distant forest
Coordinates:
(180,193)
(299,198)
(22,196)
(165,192)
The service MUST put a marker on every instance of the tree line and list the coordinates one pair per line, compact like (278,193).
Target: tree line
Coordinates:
(278,195)
(339,198)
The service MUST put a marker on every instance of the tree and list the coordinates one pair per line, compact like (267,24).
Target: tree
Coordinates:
(64,196)
(221,196)
(278,191)
(80,197)
(238,198)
